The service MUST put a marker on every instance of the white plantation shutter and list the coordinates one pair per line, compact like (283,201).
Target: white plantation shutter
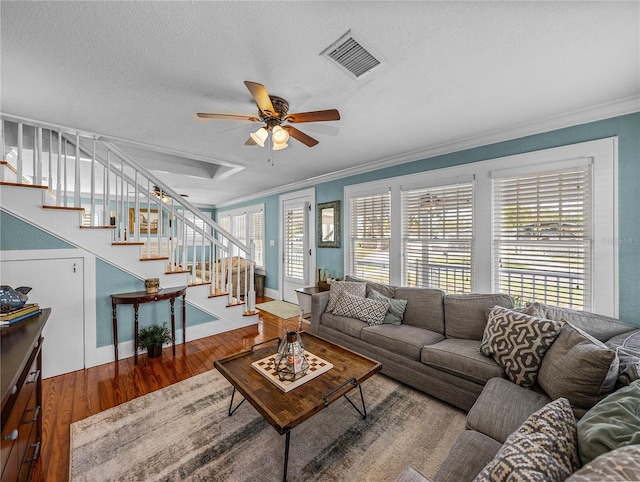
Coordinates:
(371,236)
(437,236)
(542,235)
(294,242)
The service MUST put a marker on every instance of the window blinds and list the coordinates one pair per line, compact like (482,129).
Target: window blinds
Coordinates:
(542,230)
(371,236)
(294,242)
(437,236)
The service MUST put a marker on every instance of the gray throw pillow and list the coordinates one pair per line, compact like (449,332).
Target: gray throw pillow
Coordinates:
(396,307)
(339,287)
(518,342)
(627,346)
(365,309)
(579,368)
(383,289)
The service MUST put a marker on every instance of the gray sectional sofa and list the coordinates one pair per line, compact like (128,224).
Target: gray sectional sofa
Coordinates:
(436,348)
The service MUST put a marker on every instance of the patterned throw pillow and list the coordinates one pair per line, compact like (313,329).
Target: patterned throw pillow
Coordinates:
(396,307)
(365,309)
(543,448)
(517,342)
(339,287)
(620,464)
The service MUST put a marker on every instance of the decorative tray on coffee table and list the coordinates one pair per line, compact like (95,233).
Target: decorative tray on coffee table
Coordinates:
(266,367)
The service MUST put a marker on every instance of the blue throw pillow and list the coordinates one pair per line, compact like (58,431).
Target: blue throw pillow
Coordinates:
(396,307)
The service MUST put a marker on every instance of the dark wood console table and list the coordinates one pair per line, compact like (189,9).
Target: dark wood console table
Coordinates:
(137,298)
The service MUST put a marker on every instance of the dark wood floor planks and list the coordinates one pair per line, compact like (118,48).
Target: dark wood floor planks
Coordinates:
(77,395)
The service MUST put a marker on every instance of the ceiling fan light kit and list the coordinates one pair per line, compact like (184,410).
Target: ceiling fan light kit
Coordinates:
(273,111)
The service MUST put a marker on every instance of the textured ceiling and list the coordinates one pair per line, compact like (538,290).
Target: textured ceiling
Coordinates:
(451,71)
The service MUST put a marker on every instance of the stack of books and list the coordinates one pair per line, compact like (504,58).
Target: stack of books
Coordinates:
(19,314)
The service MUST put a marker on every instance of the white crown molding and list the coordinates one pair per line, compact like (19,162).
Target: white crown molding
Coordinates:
(625,106)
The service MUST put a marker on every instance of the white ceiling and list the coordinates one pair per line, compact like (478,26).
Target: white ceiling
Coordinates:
(452,72)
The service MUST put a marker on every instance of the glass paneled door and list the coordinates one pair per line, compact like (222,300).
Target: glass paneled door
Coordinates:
(296,252)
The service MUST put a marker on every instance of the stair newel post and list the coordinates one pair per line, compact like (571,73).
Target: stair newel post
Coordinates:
(251,298)
(76,190)
(123,225)
(38,158)
(181,229)
(59,171)
(172,236)
(203,255)
(136,228)
(107,188)
(66,175)
(160,235)
(19,166)
(50,161)
(93,183)
(148,219)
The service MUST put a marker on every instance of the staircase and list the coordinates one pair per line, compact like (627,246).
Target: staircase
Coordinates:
(88,192)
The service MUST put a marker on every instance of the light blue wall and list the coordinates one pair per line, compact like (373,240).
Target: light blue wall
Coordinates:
(110,279)
(627,128)
(15,234)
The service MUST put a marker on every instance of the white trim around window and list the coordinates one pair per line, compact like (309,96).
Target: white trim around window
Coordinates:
(252,227)
(601,153)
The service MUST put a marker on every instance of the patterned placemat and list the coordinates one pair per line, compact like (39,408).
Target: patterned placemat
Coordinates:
(266,367)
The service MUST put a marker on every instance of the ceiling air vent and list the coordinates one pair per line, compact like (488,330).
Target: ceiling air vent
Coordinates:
(350,54)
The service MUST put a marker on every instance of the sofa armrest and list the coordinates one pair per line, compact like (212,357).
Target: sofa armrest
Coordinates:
(319,302)
(502,407)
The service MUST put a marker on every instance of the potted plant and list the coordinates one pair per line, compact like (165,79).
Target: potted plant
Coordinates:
(151,338)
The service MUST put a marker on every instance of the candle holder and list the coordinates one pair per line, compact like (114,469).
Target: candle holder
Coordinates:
(291,362)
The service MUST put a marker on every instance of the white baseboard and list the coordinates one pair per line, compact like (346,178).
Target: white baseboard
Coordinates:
(106,354)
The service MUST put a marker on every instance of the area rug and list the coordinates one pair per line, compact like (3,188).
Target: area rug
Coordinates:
(283,309)
(183,432)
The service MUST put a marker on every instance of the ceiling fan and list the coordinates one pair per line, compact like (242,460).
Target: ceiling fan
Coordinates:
(273,111)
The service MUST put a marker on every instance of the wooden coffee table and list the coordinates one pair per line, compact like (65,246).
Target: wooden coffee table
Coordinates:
(284,411)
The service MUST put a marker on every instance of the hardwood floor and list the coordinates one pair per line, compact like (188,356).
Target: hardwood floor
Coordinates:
(77,395)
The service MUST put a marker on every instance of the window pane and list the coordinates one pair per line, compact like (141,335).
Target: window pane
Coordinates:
(371,236)
(294,243)
(437,227)
(542,237)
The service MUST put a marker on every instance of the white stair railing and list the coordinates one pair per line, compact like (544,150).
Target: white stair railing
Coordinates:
(117,192)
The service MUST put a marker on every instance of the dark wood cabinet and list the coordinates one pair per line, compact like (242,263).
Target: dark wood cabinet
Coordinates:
(21,366)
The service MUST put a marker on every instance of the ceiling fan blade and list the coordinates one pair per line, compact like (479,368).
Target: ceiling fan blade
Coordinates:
(301,136)
(225,116)
(314,116)
(261,97)
(250,142)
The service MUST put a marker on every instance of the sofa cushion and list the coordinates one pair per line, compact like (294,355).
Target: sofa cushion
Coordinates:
(365,309)
(543,448)
(599,326)
(518,343)
(396,307)
(339,287)
(424,307)
(619,464)
(343,324)
(470,454)
(386,290)
(464,315)
(627,346)
(502,407)
(579,368)
(614,422)
(401,339)
(461,358)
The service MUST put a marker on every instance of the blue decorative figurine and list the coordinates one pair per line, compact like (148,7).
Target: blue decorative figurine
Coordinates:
(11,299)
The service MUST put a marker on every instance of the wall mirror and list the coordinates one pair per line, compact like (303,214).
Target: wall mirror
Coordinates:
(329,225)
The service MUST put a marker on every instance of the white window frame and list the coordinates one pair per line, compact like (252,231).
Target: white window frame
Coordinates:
(246,212)
(603,154)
